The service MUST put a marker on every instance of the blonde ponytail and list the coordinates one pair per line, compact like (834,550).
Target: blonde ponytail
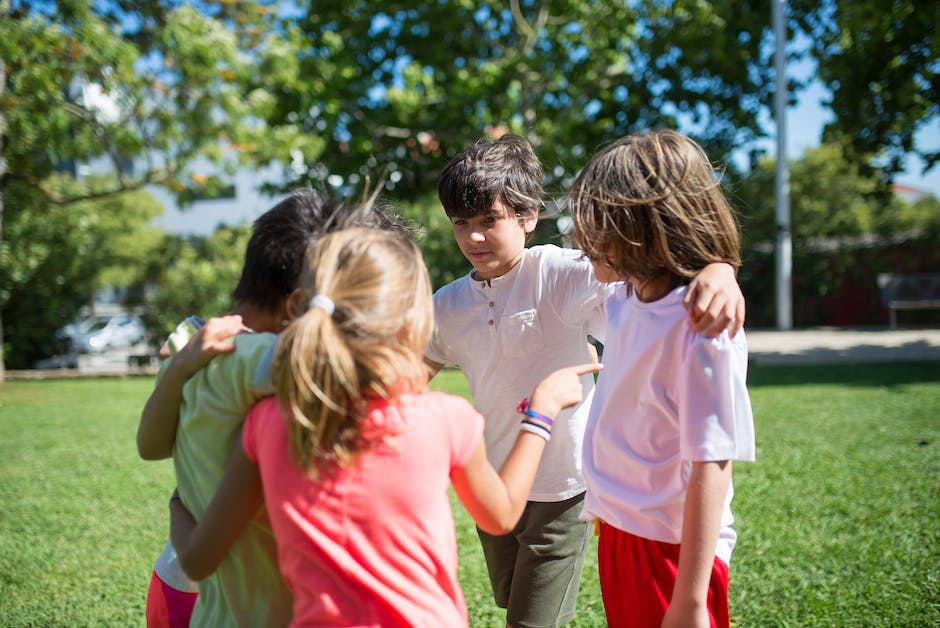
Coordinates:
(363,338)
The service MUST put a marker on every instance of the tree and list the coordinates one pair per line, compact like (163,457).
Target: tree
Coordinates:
(400,87)
(843,235)
(149,84)
(53,256)
(348,92)
(194,276)
(879,61)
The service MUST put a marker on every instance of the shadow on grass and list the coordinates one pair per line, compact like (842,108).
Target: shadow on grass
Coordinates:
(918,350)
(858,374)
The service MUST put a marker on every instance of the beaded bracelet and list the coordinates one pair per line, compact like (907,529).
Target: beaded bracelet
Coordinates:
(535,422)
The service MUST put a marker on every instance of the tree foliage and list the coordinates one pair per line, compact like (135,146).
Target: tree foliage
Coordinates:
(400,87)
(154,82)
(351,93)
(880,62)
(844,234)
(830,197)
(144,87)
(53,255)
(193,276)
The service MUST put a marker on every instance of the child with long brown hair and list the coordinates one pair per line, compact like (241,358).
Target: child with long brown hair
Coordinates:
(671,409)
(354,455)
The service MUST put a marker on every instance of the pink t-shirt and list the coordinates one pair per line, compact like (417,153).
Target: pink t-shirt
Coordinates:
(373,544)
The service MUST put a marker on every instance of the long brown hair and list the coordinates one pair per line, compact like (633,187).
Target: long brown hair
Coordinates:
(328,364)
(650,204)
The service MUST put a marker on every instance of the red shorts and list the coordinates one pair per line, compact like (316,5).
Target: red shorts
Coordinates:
(168,607)
(637,576)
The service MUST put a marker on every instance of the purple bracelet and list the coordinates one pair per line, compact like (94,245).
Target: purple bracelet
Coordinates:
(538,417)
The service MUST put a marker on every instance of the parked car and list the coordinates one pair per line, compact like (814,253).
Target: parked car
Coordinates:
(107,332)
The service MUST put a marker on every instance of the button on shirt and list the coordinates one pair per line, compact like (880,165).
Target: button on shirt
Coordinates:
(506,334)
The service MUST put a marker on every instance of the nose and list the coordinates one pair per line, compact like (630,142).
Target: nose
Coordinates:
(476,235)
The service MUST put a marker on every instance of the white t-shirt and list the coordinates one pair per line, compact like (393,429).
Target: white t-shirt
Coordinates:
(667,396)
(169,570)
(507,334)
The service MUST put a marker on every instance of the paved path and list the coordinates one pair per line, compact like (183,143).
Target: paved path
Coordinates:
(830,345)
(826,345)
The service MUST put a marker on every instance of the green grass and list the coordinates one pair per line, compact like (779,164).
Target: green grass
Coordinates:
(839,518)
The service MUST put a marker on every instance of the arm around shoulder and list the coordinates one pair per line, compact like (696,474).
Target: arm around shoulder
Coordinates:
(160,416)
(715,301)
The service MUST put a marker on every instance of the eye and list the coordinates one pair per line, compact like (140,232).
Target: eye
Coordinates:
(458,222)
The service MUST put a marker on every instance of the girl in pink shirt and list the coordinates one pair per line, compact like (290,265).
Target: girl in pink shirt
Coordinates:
(354,456)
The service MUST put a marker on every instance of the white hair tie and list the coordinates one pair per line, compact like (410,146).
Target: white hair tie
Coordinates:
(322,301)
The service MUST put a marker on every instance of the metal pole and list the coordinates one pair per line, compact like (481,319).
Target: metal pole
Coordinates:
(784,252)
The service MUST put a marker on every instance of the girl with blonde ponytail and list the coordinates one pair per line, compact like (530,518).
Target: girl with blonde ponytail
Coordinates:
(361,337)
(354,455)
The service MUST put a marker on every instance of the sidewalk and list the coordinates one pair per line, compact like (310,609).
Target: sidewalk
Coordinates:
(823,345)
(828,345)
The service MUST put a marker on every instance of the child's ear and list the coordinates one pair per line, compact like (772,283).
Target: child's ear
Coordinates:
(294,308)
(529,222)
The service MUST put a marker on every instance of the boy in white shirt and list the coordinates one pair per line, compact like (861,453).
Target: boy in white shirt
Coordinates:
(519,315)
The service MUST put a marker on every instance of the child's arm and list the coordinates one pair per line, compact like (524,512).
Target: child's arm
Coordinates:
(496,500)
(715,302)
(201,547)
(704,501)
(158,421)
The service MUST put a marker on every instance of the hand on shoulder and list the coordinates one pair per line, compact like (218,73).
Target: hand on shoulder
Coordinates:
(213,338)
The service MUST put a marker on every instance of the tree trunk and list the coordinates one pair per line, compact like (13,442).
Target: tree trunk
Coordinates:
(3,171)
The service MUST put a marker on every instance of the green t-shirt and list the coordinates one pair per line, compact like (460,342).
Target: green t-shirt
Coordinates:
(247,588)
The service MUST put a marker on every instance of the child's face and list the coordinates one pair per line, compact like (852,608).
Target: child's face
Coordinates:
(493,242)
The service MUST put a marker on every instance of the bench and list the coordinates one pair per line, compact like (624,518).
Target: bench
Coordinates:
(918,291)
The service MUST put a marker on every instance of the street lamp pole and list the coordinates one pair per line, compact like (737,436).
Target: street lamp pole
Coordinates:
(784,249)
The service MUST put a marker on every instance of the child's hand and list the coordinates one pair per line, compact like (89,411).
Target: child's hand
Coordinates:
(561,389)
(213,338)
(715,302)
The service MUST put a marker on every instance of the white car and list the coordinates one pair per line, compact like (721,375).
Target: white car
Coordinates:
(108,332)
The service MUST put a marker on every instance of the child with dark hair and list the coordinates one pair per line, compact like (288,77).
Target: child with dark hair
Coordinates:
(520,314)
(671,409)
(195,414)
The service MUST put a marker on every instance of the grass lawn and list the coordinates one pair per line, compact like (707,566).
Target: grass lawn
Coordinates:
(839,519)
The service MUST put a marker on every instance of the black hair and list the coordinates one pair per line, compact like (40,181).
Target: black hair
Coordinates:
(275,253)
